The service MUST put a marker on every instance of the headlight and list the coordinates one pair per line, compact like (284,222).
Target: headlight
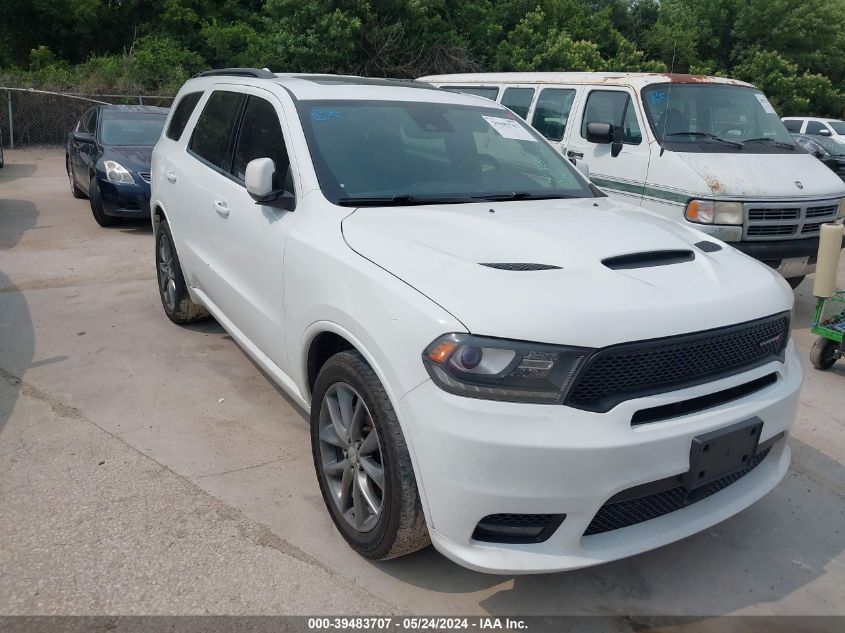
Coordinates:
(710,212)
(117,173)
(841,213)
(500,369)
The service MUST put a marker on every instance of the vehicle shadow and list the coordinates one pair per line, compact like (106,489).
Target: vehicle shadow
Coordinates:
(764,554)
(13,171)
(17,339)
(136,226)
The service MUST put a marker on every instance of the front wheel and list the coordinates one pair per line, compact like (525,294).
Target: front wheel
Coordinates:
(96,200)
(362,461)
(823,353)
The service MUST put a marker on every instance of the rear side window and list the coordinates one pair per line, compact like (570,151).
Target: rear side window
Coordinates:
(552,112)
(261,136)
(814,127)
(616,108)
(181,115)
(212,137)
(793,126)
(518,100)
(488,92)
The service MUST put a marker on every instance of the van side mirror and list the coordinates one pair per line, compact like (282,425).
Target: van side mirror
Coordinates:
(259,184)
(600,133)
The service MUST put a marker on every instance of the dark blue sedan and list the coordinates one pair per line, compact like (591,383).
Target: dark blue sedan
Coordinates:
(108,160)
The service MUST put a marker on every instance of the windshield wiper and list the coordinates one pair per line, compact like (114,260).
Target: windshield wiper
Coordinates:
(400,200)
(520,195)
(766,139)
(706,135)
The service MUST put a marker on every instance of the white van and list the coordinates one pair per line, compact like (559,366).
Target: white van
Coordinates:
(708,150)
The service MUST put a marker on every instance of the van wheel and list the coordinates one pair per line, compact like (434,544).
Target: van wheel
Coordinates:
(177,303)
(823,353)
(362,461)
(794,282)
(96,201)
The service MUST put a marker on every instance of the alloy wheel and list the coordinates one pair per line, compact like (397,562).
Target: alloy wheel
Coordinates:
(166,273)
(351,457)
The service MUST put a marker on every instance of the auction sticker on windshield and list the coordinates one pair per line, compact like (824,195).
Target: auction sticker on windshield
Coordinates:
(765,103)
(509,128)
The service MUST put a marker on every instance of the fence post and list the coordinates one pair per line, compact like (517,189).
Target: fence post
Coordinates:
(140,100)
(11,123)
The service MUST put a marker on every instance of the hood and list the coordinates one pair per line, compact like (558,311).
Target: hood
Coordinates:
(764,176)
(134,158)
(439,251)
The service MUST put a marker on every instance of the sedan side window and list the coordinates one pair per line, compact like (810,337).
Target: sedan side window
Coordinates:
(212,137)
(616,108)
(261,136)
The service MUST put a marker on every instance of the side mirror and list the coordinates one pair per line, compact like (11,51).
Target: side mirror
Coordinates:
(600,133)
(259,184)
(819,153)
(83,137)
(824,132)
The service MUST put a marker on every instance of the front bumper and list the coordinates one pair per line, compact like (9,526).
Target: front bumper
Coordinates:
(125,201)
(475,458)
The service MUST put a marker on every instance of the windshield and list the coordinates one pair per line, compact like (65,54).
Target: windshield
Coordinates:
(373,152)
(131,129)
(838,126)
(686,116)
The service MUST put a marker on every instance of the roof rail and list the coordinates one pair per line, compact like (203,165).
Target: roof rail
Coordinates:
(258,73)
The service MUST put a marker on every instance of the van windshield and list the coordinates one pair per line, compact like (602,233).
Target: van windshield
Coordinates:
(713,117)
(395,153)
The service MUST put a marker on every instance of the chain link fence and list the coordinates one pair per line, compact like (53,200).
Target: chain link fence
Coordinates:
(30,118)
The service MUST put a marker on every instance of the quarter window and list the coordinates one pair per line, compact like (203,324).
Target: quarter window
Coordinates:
(261,136)
(212,137)
(181,115)
(616,108)
(518,100)
(552,112)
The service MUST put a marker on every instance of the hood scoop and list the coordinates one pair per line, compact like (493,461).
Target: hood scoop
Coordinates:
(519,266)
(648,259)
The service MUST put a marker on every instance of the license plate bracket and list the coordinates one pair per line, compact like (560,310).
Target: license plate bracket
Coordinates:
(722,452)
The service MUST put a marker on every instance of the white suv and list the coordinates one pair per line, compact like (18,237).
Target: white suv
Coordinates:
(495,355)
(831,128)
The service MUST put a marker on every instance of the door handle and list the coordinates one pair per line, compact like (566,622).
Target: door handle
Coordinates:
(221,207)
(171,176)
(572,154)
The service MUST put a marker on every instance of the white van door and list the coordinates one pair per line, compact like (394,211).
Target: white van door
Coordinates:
(619,167)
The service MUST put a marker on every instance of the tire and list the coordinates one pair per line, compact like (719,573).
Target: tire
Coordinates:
(75,191)
(399,527)
(97,206)
(794,282)
(175,299)
(823,353)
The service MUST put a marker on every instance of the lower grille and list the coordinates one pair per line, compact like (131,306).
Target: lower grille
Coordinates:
(613,516)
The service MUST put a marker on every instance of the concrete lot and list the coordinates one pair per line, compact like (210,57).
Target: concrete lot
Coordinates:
(148,468)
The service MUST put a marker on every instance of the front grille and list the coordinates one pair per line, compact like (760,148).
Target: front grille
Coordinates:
(145,176)
(633,370)
(615,515)
(781,221)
